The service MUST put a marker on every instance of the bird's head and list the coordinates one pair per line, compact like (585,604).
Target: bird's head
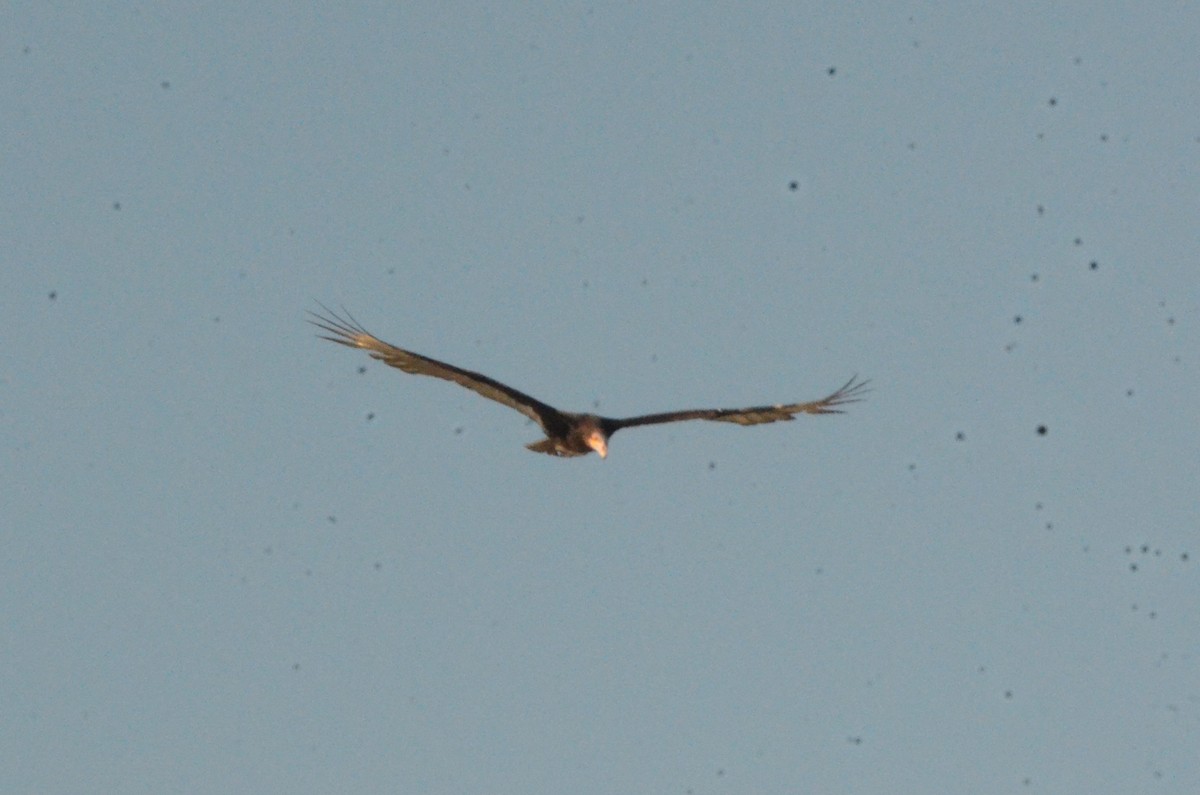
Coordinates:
(598,441)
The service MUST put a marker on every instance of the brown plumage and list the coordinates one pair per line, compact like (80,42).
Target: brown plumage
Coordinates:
(567,434)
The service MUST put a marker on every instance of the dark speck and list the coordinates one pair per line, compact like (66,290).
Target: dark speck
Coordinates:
(1094,265)
(1017,320)
(116,205)
(1079,241)
(166,84)
(53,294)
(960,436)
(832,71)
(1042,430)
(1053,101)
(370,416)
(793,185)
(362,369)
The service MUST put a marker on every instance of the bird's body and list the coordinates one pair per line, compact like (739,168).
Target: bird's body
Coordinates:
(567,434)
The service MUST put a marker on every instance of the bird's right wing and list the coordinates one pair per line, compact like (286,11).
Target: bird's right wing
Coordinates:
(347,331)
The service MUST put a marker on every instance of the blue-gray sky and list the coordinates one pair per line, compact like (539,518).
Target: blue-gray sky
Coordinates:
(232,562)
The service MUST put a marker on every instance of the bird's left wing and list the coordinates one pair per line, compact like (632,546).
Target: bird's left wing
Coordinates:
(851,392)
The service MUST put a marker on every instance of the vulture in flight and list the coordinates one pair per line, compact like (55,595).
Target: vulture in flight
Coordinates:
(567,434)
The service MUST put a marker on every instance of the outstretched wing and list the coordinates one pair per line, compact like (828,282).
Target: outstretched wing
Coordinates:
(345,330)
(851,392)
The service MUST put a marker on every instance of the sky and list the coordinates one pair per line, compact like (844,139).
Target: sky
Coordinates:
(237,558)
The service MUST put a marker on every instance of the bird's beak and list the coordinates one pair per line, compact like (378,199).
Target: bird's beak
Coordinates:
(597,442)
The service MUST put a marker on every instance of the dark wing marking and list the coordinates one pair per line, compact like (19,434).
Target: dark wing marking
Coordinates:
(851,392)
(345,330)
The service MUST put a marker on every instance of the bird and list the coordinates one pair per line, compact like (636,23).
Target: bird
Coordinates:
(568,434)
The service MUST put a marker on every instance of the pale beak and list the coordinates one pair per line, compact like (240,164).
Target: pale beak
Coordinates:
(597,442)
